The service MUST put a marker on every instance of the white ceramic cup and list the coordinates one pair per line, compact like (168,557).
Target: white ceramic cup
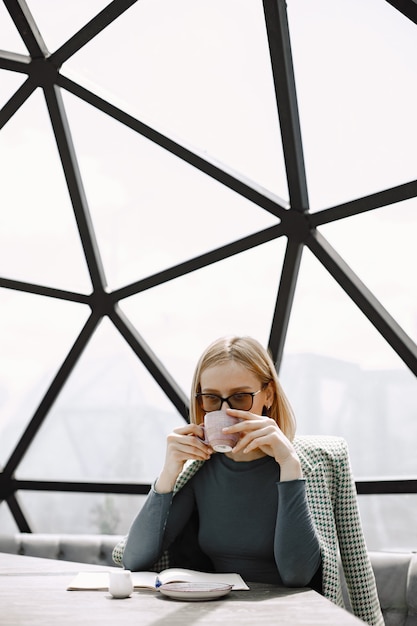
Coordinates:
(214,422)
(120,584)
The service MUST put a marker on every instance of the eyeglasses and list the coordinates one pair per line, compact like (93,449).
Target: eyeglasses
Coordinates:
(242,400)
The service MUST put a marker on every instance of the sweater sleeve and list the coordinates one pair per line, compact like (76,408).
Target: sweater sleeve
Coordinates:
(151,533)
(296,546)
(145,539)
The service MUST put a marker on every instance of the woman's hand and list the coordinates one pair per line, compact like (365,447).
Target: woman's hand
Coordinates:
(258,432)
(183,444)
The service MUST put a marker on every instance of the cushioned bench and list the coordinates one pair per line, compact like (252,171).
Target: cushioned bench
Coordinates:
(395,573)
(94,549)
(396,579)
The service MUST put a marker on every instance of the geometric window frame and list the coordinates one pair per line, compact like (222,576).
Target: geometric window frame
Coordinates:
(296,223)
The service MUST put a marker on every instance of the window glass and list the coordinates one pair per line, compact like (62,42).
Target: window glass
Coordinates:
(58,21)
(355,73)
(111,395)
(39,241)
(9,83)
(380,247)
(44,330)
(58,512)
(198,70)
(342,378)
(390,522)
(10,38)
(150,209)
(233,297)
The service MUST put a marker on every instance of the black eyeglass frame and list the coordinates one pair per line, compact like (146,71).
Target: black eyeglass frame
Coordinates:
(199,396)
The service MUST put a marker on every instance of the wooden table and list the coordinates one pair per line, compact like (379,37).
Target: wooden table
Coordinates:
(33,592)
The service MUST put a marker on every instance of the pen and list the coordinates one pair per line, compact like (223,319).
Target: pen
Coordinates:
(157,582)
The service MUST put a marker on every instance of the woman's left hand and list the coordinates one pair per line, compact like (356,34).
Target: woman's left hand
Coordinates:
(259,432)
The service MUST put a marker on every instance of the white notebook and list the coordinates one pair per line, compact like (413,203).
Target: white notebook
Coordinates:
(99,581)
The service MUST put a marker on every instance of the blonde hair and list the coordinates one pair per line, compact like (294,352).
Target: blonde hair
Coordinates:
(249,353)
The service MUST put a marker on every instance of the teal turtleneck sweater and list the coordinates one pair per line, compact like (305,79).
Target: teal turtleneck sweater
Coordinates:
(249,523)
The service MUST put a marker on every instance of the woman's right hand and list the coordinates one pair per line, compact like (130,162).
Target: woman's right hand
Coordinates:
(183,444)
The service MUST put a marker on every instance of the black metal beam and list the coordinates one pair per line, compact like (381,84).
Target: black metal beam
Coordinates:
(50,396)
(41,290)
(25,24)
(151,362)
(367,203)
(18,514)
(283,74)
(406,7)
(16,101)
(75,186)
(218,171)
(284,301)
(204,260)
(90,30)
(14,62)
(364,299)
(382,487)
(297,230)
(363,487)
(80,487)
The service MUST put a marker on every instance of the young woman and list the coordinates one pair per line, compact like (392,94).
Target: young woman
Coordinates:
(273,509)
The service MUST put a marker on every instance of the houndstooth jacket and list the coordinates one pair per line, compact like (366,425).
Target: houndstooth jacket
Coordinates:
(331,495)
(332,499)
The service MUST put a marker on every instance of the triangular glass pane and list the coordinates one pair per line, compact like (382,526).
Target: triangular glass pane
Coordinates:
(58,21)
(200,70)
(380,246)
(83,513)
(355,71)
(36,334)
(179,319)
(389,521)
(110,421)
(344,379)
(150,209)
(9,83)
(10,39)
(39,241)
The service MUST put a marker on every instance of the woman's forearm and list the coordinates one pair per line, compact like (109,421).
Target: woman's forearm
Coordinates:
(296,548)
(144,542)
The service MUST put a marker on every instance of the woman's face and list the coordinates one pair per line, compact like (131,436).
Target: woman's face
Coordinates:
(232,377)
